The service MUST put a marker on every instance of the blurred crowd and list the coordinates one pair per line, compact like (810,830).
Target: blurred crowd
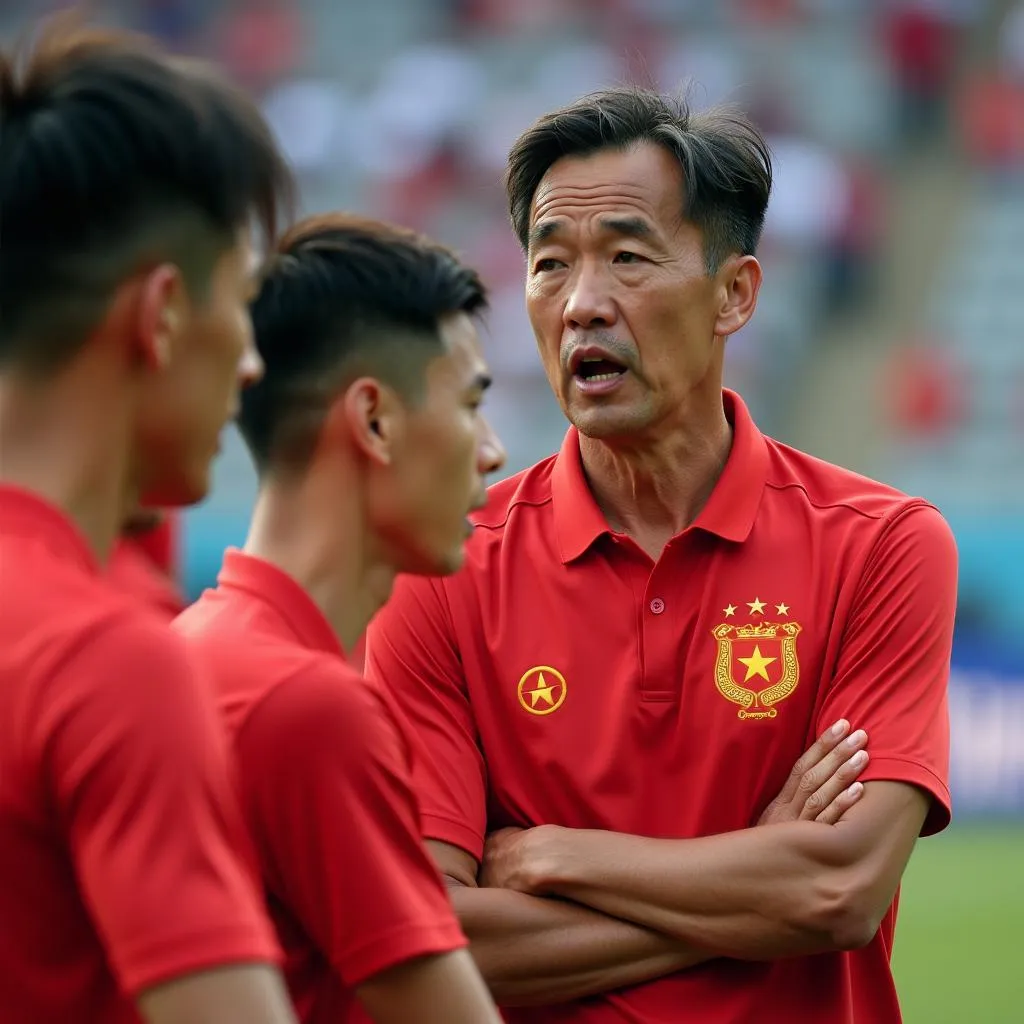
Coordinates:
(405,109)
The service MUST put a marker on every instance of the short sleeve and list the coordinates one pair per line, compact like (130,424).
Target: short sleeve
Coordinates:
(412,654)
(892,673)
(325,780)
(139,772)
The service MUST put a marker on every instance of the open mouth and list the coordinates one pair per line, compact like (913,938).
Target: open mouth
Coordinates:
(595,371)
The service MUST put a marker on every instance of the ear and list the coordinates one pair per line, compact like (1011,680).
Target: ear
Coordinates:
(161,315)
(374,417)
(740,281)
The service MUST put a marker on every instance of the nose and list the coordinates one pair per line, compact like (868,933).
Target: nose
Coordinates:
(250,365)
(590,302)
(490,452)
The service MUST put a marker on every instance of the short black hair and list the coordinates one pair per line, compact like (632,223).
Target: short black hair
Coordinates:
(725,160)
(345,296)
(114,156)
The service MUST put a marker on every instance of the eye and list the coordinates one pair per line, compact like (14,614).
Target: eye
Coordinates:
(545,265)
(627,257)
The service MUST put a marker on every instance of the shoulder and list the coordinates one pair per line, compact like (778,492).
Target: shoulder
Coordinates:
(244,663)
(323,705)
(128,690)
(825,487)
(128,649)
(523,493)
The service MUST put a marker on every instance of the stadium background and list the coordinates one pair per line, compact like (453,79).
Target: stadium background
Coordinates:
(890,332)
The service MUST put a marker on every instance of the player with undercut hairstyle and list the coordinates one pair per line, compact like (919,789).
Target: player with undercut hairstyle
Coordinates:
(371,452)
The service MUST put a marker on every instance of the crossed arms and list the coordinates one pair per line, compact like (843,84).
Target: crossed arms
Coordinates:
(556,914)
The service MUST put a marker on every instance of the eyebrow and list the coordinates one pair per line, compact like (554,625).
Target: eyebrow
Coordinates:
(628,227)
(542,232)
(625,227)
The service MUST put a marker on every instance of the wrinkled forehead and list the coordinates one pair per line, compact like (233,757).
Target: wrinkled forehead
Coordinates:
(621,190)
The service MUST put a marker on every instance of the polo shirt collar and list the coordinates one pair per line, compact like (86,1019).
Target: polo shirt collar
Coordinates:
(729,512)
(290,601)
(26,515)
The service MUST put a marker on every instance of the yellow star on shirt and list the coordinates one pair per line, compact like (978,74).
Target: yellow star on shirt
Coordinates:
(731,610)
(782,609)
(542,692)
(757,665)
(756,606)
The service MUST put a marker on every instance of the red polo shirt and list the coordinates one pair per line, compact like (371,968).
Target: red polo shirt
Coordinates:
(118,830)
(133,570)
(324,775)
(562,677)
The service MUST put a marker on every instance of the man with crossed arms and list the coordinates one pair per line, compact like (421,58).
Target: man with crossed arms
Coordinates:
(655,622)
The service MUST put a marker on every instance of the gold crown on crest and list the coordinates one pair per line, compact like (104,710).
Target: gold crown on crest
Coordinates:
(762,631)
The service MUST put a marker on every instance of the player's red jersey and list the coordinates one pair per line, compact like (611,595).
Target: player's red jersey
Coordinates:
(133,570)
(563,677)
(119,834)
(324,772)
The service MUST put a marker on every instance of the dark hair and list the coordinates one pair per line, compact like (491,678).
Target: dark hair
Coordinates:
(726,163)
(345,297)
(114,156)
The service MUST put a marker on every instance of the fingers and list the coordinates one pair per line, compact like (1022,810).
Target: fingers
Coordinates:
(835,784)
(816,777)
(842,803)
(822,747)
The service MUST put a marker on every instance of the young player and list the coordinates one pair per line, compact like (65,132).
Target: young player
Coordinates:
(127,185)
(371,452)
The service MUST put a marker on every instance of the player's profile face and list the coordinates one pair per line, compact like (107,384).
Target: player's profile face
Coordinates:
(617,291)
(187,405)
(450,448)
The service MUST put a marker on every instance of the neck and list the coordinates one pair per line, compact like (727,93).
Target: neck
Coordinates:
(315,530)
(66,441)
(652,488)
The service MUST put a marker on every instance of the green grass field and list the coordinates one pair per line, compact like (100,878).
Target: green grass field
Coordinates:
(959,955)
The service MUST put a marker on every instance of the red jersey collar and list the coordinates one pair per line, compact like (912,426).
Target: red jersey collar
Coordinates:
(274,587)
(729,512)
(25,514)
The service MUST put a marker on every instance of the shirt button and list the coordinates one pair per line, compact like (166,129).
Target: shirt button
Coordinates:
(657,606)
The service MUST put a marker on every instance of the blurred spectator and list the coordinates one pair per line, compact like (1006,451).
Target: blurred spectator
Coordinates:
(926,391)
(991,120)
(260,42)
(853,249)
(920,37)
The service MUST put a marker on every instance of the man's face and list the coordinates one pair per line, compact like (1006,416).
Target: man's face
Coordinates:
(437,477)
(617,291)
(184,408)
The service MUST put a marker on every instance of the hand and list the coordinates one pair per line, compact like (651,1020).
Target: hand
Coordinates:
(515,858)
(821,786)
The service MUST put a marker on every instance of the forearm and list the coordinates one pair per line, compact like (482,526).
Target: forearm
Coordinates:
(443,989)
(762,893)
(534,951)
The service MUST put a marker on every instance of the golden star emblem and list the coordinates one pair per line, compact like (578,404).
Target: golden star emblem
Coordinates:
(782,609)
(756,606)
(757,665)
(542,689)
(730,610)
